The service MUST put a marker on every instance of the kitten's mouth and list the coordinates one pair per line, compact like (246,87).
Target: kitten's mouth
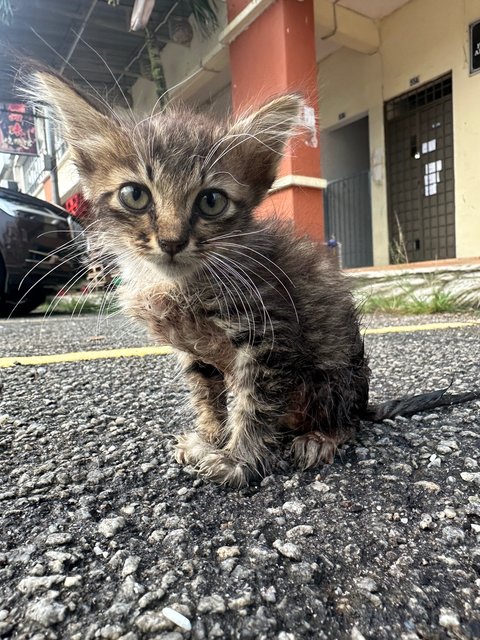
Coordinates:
(172,267)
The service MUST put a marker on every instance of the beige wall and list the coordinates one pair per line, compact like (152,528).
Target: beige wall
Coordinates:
(424,38)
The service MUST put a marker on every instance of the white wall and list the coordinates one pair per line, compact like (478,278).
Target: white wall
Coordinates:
(345,151)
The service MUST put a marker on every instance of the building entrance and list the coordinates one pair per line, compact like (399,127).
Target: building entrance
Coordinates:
(420,173)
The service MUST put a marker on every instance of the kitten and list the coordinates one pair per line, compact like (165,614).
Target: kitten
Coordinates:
(262,321)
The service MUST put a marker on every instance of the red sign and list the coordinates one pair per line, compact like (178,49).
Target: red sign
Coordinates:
(76,205)
(17,129)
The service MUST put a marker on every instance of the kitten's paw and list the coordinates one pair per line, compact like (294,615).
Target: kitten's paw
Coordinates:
(191,448)
(312,449)
(223,469)
(208,461)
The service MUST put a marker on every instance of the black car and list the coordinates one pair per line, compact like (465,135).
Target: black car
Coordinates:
(35,259)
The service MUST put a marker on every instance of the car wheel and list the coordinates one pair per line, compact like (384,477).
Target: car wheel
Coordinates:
(3,277)
(14,309)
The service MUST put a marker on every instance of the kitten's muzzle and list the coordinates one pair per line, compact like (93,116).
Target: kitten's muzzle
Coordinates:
(173,247)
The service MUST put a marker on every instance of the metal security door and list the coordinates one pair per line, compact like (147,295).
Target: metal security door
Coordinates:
(348,218)
(420,173)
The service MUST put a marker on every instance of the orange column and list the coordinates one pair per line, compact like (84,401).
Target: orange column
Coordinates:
(274,55)
(47,189)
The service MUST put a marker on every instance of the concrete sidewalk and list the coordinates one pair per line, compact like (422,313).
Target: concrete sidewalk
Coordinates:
(459,278)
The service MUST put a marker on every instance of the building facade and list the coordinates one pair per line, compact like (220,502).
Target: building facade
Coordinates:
(391,172)
(407,113)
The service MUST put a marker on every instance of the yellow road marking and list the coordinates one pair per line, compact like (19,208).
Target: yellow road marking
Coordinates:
(410,328)
(137,352)
(140,352)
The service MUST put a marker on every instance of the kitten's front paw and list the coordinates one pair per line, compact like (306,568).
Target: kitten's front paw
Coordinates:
(191,448)
(208,461)
(223,469)
(312,449)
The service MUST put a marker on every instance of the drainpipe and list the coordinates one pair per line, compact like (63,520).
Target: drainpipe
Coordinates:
(335,25)
(51,158)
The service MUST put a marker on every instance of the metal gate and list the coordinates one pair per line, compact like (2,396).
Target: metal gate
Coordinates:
(348,218)
(420,175)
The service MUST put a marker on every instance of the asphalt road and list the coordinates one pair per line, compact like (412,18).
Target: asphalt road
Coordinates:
(102,534)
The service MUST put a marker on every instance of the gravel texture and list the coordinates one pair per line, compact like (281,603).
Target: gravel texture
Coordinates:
(103,536)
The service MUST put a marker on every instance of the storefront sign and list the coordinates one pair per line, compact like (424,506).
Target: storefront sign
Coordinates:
(475,47)
(76,205)
(17,129)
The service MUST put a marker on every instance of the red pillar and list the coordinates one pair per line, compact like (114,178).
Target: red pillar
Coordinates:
(275,55)
(47,189)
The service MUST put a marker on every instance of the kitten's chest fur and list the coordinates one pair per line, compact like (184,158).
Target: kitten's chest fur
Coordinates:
(183,321)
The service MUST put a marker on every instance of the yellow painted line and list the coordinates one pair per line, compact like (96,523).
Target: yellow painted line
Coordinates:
(411,328)
(140,352)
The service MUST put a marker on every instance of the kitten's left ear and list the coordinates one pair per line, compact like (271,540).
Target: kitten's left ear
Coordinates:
(263,134)
(81,120)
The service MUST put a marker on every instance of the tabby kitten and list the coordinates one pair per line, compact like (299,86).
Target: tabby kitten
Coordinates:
(261,320)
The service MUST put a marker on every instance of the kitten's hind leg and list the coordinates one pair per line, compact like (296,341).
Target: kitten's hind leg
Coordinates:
(333,404)
(208,396)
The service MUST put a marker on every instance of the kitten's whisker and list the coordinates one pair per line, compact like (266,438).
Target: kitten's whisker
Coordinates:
(218,280)
(242,298)
(108,295)
(222,266)
(244,137)
(45,275)
(233,234)
(269,284)
(99,95)
(237,248)
(66,288)
(50,254)
(227,173)
(265,257)
(218,277)
(255,290)
(108,69)
(88,290)
(57,231)
(245,279)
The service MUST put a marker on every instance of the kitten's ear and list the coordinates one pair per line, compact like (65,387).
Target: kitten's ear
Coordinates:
(81,120)
(263,134)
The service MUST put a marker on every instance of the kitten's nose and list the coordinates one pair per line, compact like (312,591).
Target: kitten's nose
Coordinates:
(172,246)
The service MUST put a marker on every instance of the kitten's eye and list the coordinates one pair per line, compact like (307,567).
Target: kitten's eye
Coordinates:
(135,197)
(211,202)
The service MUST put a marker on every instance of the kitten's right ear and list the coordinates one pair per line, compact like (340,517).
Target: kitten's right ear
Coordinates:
(81,121)
(262,136)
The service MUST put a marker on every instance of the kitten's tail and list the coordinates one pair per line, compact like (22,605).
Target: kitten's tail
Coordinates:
(409,405)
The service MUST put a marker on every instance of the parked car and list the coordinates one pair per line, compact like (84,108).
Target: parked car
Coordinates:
(34,260)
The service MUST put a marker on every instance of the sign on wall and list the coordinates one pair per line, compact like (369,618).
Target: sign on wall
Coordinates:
(475,47)
(17,129)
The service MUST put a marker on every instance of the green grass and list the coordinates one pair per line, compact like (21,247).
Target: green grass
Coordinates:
(427,296)
(418,295)
(77,305)
(408,303)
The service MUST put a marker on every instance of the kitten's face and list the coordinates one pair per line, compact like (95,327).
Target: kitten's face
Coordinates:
(163,188)
(159,203)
